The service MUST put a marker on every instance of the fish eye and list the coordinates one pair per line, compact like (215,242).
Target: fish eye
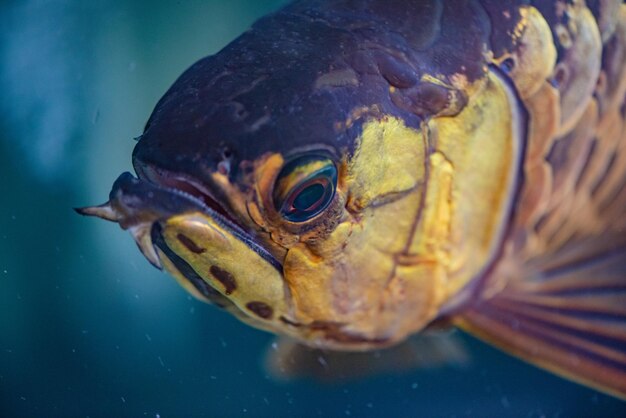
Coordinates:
(305,187)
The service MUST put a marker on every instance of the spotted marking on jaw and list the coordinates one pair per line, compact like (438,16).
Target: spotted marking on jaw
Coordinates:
(191,246)
(261,309)
(225,278)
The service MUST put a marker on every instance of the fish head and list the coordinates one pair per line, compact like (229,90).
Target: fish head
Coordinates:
(340,195)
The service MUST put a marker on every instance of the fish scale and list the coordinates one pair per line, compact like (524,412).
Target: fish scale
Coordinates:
(569,234)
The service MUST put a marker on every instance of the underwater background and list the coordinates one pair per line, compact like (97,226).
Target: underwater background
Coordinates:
(87,327)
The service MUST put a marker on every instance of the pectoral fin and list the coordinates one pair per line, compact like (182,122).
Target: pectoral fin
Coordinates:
(569,319)
(289,360)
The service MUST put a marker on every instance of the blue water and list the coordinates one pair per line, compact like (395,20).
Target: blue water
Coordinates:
(87,326)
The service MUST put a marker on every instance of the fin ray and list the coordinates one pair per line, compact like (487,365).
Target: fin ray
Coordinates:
(576,343)
(604,327)
(570,320)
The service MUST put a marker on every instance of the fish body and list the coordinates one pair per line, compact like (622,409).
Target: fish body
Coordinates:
(350,173)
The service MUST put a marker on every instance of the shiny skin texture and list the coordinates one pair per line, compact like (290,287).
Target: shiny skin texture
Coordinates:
(477,144)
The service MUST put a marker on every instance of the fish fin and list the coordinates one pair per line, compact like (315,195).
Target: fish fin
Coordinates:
(289,360)
(569,319)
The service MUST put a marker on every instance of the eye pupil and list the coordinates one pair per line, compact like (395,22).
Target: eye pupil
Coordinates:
(309,197)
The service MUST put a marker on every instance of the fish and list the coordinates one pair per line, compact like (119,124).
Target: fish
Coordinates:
(352,173)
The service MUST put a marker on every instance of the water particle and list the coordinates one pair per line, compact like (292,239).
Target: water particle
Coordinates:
(148,337)
(161,361)
(322,361)
(123,400)
(95,117)
(414,386)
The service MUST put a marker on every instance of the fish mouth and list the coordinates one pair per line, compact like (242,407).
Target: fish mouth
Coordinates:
(183,231)
(212,207)
(138,204)
(184,184)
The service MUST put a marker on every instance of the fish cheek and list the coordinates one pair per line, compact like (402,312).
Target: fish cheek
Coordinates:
(332,281)
(352,276)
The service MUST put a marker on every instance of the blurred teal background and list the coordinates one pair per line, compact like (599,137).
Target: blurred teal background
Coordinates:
(87,326)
